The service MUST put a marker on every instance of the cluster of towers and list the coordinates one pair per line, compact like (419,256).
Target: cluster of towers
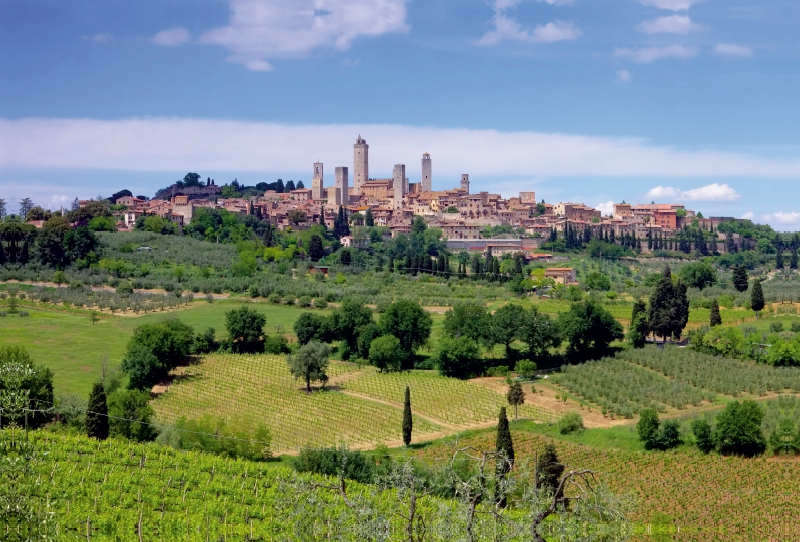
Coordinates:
(339,194)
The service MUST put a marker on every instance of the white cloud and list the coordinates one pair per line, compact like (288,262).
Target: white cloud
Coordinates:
(102,38)
(171,37)
(60,201)
(782,218)
(606,208)
(712,192)
(650,54)
(259,30)
(673,24)
(624,76)
(673,5)
(559,2)
(175,144)
(748,216)
(733,50)
(507,28)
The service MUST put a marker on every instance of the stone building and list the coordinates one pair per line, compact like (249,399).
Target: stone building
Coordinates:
(317,183)
(360,163)
(426,181)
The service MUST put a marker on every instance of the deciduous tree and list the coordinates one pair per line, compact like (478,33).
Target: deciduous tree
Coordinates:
(246,330)
(589,329)
(310,363)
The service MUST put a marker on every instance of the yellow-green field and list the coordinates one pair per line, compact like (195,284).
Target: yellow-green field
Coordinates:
(74,348)
(250,390)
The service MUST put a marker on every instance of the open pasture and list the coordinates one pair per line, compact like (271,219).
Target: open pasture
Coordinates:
(74,348)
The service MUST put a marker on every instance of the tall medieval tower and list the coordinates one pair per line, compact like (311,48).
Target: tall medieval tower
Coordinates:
(341,186)
(360,163)
(426,173)
(399,185)
(317,184)
(465,182)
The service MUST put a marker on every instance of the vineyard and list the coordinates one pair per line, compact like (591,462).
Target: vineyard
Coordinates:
(456,402)
(259,389)
(670,377)
(118,491)
(695,496)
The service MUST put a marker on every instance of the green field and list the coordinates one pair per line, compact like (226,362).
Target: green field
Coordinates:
(74,348)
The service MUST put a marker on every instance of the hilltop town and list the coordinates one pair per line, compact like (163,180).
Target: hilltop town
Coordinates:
(460,214)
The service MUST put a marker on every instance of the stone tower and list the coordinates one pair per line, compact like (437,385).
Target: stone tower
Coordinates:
(426,173)
(465,182)
(399,185)
(342,186)
(360,163)
(317,184)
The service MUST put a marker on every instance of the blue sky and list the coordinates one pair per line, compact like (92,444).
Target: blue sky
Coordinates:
(584,100)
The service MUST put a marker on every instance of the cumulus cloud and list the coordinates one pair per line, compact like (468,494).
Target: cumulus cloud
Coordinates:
(672,5)
(171,37)
(102,38)
(507,28)
(673,24)
(170,144)
(650,54)
(733,50)
(712,192)
(624,76)
(259,30)
(782,218)
(748,216)
(606,208)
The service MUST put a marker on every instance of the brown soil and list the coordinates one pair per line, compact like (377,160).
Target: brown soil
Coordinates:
(545,397)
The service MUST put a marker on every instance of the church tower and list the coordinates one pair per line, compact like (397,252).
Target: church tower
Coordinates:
(360,163)
(426,182)
(465,182)
(317,183)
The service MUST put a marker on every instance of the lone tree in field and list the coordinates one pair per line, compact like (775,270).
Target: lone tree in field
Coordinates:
(757,298)
(310,363)
(505,456)
(408,421)
(97,414)
(246,330)
(740,278)
(515,398)
(716,318)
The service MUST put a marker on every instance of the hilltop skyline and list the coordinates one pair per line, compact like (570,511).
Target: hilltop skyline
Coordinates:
(636,100)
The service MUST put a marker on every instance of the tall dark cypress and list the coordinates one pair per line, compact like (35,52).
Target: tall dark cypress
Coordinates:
(505,451)
(549,469)
(793,261)
(716,318)
(408,421)
(757,297)
(97,415)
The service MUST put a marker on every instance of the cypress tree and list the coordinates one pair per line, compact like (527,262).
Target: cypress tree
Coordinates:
(650,239)
(640,327)
(757,297)
(505,452)
(716,319)
(97,415)
(548,469)
(408,421)
(740,278)
(322,216)
(793,261)
(369,220)
(779,259)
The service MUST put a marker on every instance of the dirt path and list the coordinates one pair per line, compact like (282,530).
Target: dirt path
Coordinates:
(545,397)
